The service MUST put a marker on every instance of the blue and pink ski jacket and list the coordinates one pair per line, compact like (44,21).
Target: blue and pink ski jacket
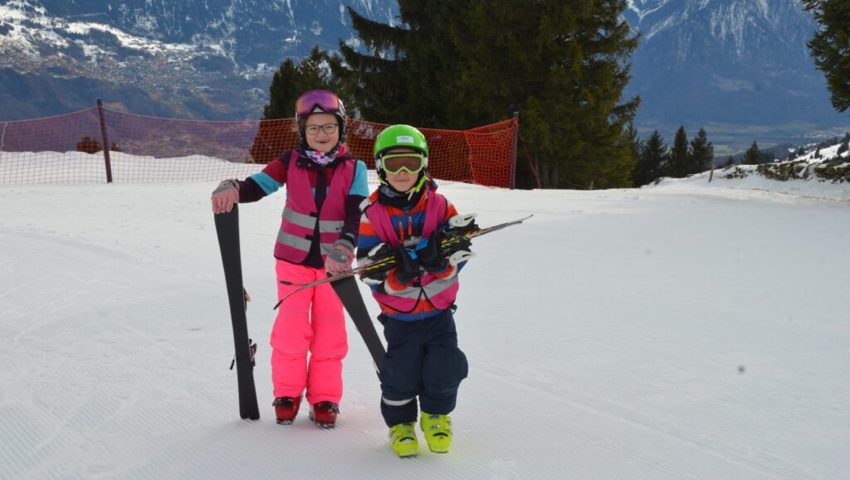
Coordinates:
(433,292)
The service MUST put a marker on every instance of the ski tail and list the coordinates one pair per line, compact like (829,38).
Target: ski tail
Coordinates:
(349,294)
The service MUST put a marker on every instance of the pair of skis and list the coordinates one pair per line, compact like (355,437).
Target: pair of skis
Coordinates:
(455,238)
(345,286)
(458,235)
(227,229)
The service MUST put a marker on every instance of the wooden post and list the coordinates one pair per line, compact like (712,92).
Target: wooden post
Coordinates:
(106,159)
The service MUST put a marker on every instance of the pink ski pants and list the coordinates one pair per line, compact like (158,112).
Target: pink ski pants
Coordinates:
(311,321)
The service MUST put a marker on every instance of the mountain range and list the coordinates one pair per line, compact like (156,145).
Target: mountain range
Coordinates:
(209,59)
(739,68)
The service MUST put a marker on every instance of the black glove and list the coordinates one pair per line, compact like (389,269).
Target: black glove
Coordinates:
(380,251)
(377,253)
(456,243)
(431,254)
(407,264)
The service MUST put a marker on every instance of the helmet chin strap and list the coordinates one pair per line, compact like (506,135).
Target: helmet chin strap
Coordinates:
(418,186)
(423,177)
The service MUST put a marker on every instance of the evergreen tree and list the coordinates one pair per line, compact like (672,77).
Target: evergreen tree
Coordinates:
(830,47)
(291,80)
(282,92)
(562,65)
(845,144)
(652,160)
(410,68)
(679,155)
(702,153)
(753,155)
(729,161)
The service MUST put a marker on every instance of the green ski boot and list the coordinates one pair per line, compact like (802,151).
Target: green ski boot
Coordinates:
(403,440)
(438,431)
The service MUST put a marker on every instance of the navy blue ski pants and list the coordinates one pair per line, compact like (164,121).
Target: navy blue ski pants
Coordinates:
(422,360)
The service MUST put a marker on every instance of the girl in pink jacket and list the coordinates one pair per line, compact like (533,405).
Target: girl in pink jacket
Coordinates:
(324,187)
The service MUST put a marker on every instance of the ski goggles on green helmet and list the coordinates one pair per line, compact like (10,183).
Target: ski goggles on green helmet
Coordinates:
(318,100)
(410,162)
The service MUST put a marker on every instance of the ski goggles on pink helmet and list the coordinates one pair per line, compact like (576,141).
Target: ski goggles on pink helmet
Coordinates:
(318,101)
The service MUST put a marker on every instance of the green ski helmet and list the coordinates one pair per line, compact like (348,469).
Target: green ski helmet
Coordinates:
(399,136)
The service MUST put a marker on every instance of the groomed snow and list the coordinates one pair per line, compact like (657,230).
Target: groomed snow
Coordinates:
(683,331)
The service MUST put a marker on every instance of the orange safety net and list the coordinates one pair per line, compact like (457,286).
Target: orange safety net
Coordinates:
(69,149)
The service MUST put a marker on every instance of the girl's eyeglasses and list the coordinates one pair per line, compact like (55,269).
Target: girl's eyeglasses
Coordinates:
(326,101)
(328,128)
(396,162)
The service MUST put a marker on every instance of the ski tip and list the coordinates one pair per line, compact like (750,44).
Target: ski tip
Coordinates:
(521,219)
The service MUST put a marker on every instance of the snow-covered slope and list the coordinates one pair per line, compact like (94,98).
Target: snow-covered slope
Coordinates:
(677,331)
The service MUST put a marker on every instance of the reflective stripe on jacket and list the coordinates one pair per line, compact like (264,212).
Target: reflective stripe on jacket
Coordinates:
(441,292)
(298,225)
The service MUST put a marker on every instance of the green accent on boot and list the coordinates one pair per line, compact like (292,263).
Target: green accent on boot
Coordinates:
(438,431)
(403,439)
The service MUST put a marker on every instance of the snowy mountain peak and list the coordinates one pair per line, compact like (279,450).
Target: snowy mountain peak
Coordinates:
(747,59)
(212,54)
(728,19)
(641,8)
(29,28)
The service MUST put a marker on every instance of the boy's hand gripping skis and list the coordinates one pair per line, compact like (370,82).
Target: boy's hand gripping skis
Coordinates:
(460,231)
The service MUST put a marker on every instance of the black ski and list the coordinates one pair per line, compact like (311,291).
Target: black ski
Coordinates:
(454,239)
(348,292)
(227,228)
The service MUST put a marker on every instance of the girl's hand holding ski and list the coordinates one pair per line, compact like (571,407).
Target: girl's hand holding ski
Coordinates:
(225,196)
(339,258)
